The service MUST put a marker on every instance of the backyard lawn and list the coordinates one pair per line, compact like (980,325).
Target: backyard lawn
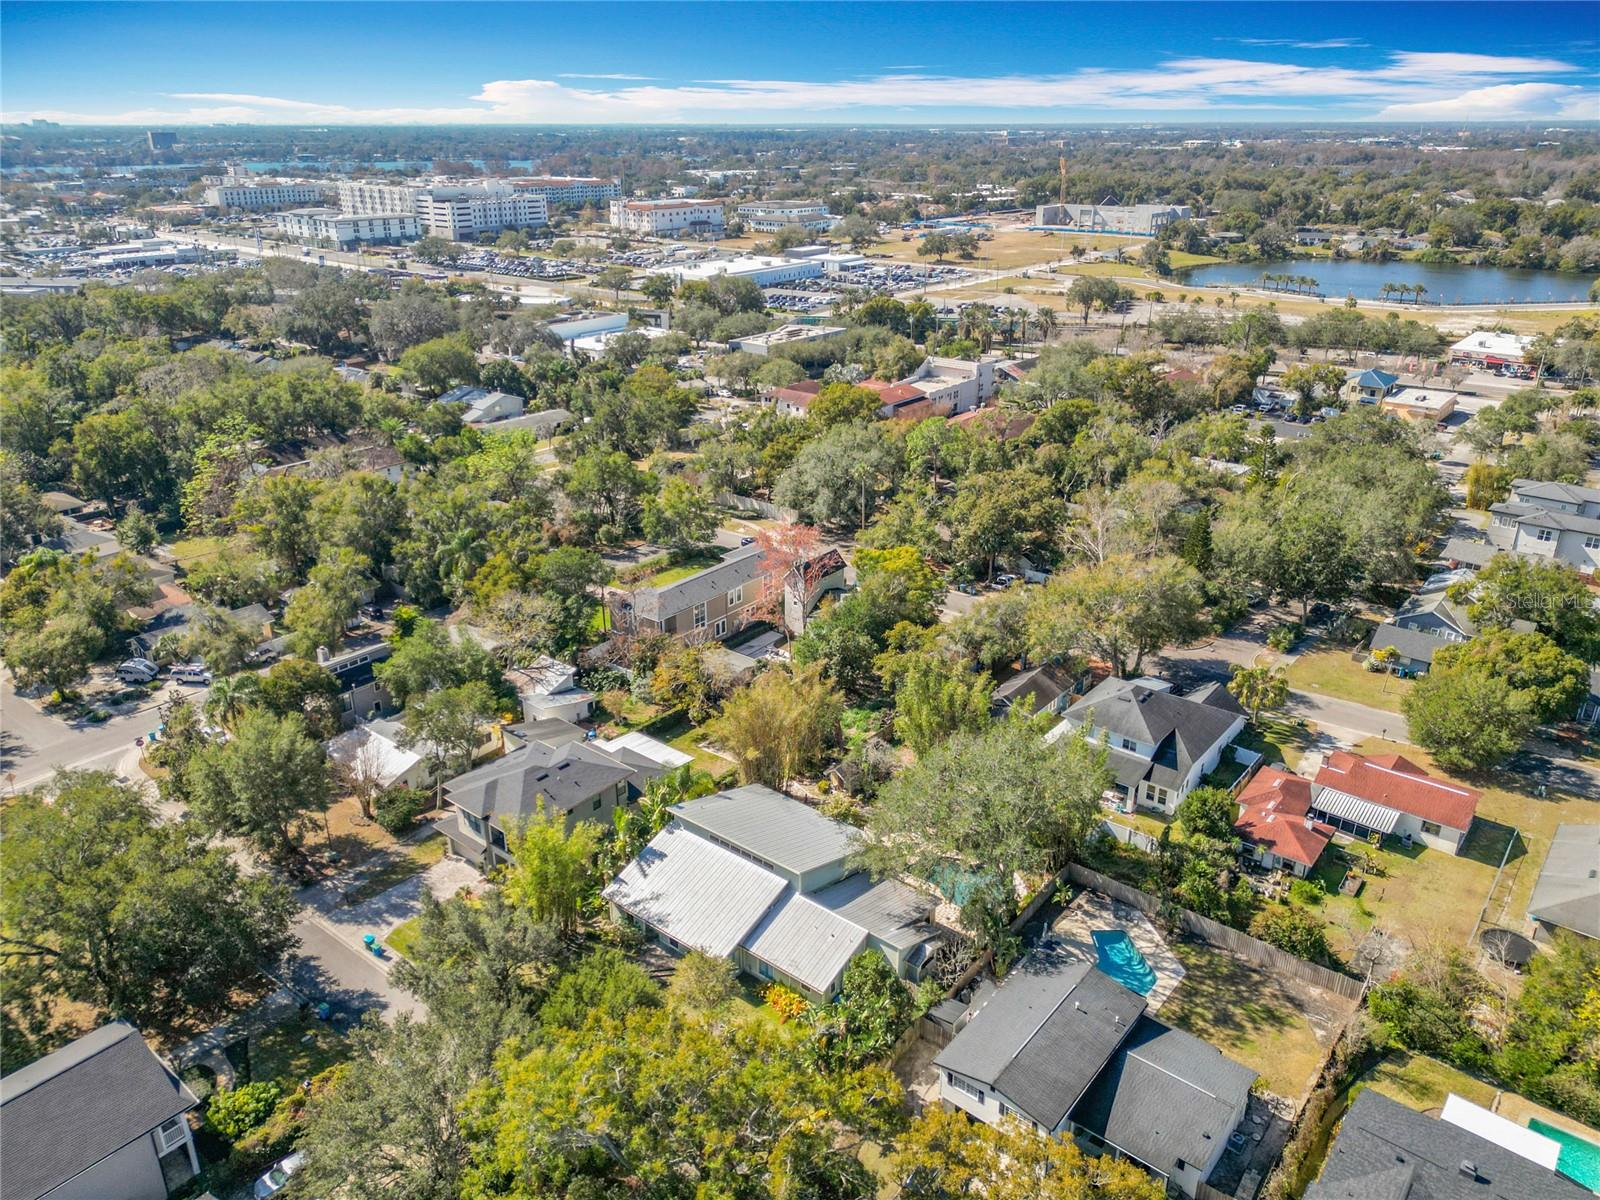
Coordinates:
(190,551)
(1277,741)
(1333,672)
(1253,1017)
(1422,1083)
(689,565)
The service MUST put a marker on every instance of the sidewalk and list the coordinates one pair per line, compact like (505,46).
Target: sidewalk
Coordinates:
(379,915)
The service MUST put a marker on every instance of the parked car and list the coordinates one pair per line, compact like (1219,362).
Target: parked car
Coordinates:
(137,670)
(278,1175)
(194,674)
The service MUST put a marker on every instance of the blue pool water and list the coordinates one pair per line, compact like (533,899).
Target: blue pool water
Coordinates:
(1120,959)
(1580,1158)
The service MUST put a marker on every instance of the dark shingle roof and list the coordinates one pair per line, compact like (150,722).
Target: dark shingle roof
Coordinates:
(565,775)
(1044,1035)
(1166,1097)
(1386,1151)
(1181,728)
(1046,684)
(72,1108)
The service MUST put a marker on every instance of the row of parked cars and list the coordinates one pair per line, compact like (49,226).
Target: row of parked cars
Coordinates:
(142,670)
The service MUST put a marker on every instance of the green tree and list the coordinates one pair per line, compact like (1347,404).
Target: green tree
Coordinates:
(1293,929)
(607,488)
(234,1112)
(57,654)
(682,678)
(428,658)
(1468,720)
(606,981)
(936,697)
(302,688)
(1552,595)
(1002,514)
(264,784)
(440,364)
(103,906)
(1259,687)
(1312,382)
(1118,611)
(1545,679)
(614,280)
(704,984)
(862,1026)
(136,532)
(447,724)
(840,476)
(319,613)
(843,404)
(275,514)
(679,516)
(552,868)
(1208,812)
(777,728)
(658,289)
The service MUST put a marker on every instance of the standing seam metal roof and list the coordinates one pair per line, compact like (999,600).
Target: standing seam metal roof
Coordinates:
(771,827)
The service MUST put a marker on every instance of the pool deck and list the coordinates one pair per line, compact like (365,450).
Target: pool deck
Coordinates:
(1090,911)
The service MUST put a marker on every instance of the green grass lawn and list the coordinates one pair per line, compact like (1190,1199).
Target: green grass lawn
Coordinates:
(1276,741)
(403,937)
(688,565)
(1182,258)
(295,1051)
(1420,1082)
(415,859)
(1149,822)
(1334,673)
(1248,1015)
(190,551)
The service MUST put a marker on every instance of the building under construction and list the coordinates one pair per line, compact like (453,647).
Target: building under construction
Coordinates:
(1141,220)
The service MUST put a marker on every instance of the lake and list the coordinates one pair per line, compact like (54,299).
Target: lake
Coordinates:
(1446,283)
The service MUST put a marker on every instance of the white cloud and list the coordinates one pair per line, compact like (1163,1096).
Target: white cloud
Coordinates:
(618,75)
(1409,85)
(1339,43)
(1501,102)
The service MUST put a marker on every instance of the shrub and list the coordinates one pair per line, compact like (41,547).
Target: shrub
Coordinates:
(234,1112)
(1284,635)
(784,1001)
(1292,929)
(396,808)
(1305,891)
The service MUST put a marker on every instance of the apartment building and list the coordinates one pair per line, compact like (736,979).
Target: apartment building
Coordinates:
(1553,521)
(573,190)
(458,212)
(658,217)
(345,229)
(771,216)
(1142,220)
(262,195)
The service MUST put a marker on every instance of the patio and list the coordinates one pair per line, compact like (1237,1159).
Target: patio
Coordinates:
(1090,911)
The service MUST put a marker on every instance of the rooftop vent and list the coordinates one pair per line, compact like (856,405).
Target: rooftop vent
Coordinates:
(1469,1169)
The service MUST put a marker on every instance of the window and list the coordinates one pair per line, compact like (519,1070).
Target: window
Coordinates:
(1544,535)
(964,1085)
(736,597)
(474,823)
(699,616)
(1592,542)
(1129,744)
(497,837)
(172,1134)
(598,801)
(721,628)
(1430,827)
(763,970)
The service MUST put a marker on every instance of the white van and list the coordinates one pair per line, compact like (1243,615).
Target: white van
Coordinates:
(192,673)
(137,670)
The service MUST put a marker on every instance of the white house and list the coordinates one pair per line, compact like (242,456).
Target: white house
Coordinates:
(1392,795)
(372,750)
(1557,522)
(548,689)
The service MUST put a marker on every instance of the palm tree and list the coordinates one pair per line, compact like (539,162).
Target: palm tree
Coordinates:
(1420,291)
(1046,317)
(1233,299)
(230,696)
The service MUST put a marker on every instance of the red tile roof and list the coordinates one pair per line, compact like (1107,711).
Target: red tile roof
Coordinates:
(1400,784)
(873,384)
(899,392)
(1275,804)
(800,395)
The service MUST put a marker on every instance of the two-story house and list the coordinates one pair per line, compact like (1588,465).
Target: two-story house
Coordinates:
(1160,744)
(554,769)
(1558,522)
(101,1117)
(752,875)
(1370,386)
(548,688)
(1066,1049)
(718,601)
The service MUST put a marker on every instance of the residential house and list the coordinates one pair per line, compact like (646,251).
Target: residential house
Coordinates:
(1567,892)
(1386,1150)
(102,1117)
(1063,1047)
(795,399)
(552,768)
(375,751)
(1049,687)
(995,423)
(1160,744)
(1392,795)
(483,405)
(174,615)
(753,875)
(1557,522)
(1276,825)
(360,693)
(721,599)
(549,688)
(1370,386)
(1425,622)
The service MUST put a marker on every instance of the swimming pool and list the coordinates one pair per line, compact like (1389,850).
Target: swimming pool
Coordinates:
(1120,959)
(1580,1158)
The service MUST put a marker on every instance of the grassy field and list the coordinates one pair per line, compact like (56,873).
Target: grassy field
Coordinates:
(295,1051)
(403,937)
(1333,672)
(1248,1015)
(417,858)
(190,551)
(1004,250)
(1423,1083)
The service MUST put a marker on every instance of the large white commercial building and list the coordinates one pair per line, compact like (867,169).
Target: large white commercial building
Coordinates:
(263,196)
(347,229)
(1143,220)
(762,270)
(571,189)
(770,216)
(654,217)
(459,212)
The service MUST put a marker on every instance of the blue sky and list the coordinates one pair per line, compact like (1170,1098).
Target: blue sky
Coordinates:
(777,64)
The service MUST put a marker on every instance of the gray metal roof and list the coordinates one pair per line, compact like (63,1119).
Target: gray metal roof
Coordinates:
(67,1111)
(1566,493)
(1568,891)
(1166,1097)
(738,567)
(893,912)
(1386,1151)
(771,827)
(695,891)
(1045,1034)
(803,939)
(1469,550)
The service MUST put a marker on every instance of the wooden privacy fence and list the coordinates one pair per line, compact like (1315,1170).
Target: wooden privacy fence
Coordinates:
(1220,935)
